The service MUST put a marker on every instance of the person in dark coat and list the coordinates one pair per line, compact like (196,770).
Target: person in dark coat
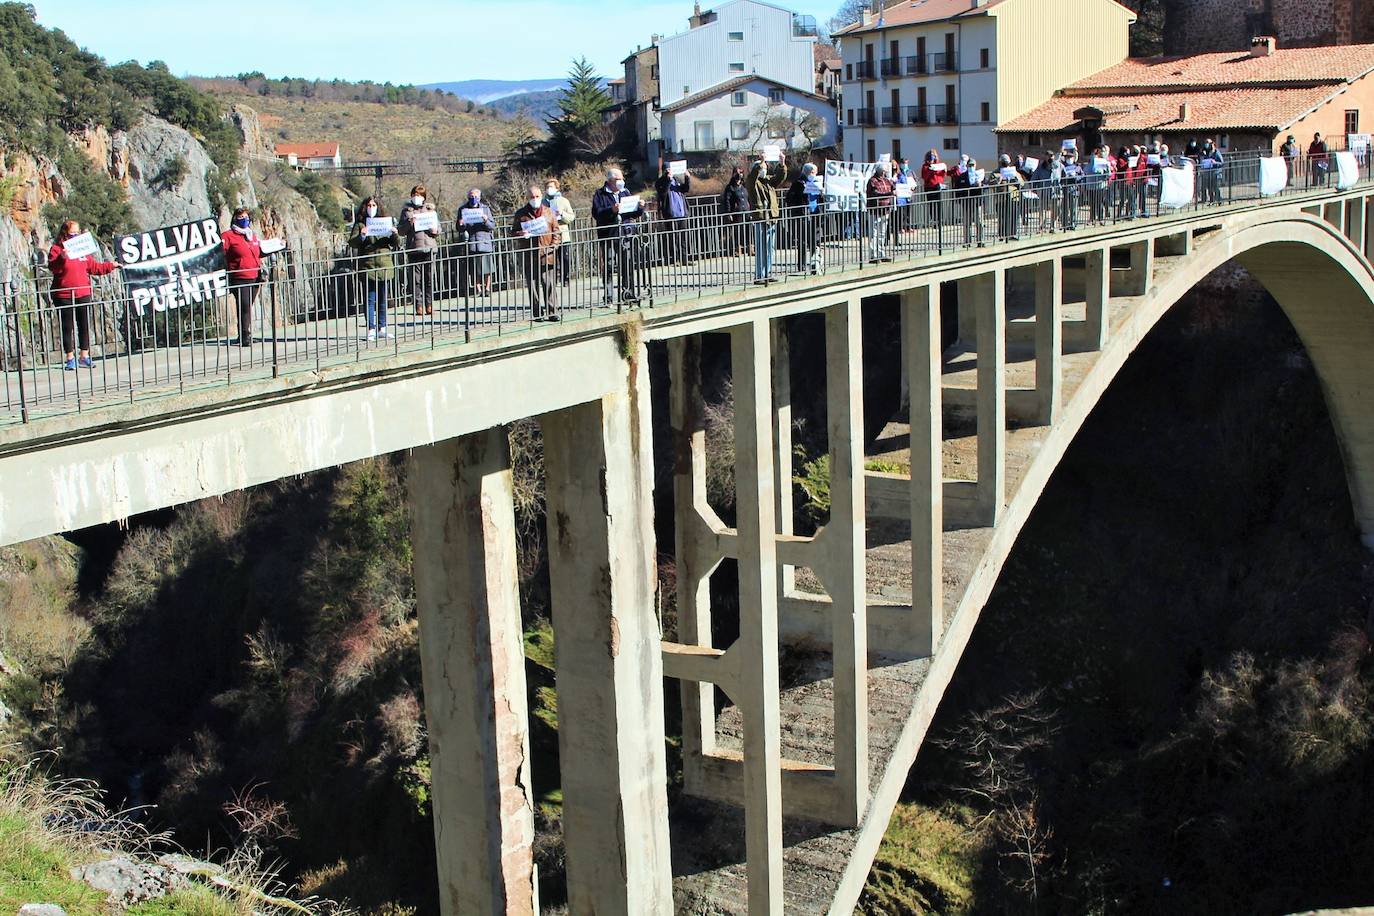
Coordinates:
(71,294)
(476,227)
(376,264)
(801,210)
(671,193)
(421,247)
(734,204)
(538,246)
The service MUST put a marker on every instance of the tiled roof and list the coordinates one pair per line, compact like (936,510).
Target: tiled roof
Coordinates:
(309,150)
(1209,110)
(915,12)
(722,88)
(1226,69)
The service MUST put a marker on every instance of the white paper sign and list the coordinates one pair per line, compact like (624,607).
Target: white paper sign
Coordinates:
(903,192)
(885,157)
(473,216)
(772,153)
(535,227)
(1007,172)
(1100,164)
(1176,189)
(1347,171)
(842,192)
(1133,161)
(976,176)
(677,167)
(380,226)
(1152,159)
(1069,145)
(629,204)
(1032,164)
(80,246)
(938,167)
(425,221)
(1273,175)
(272,246)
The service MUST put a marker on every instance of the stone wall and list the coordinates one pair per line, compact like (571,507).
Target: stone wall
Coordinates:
(1197,26)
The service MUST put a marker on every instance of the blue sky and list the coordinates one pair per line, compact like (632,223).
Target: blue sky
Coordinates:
(428,41)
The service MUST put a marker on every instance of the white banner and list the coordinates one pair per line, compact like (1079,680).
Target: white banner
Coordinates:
(425,221)
(272,246)
(677,167)
(1177,186)
(473,216)
(772,153)
(535,227)
(80,246)
(628,204)
(379,226)
(844,183)
(1347,171)
(1273,175)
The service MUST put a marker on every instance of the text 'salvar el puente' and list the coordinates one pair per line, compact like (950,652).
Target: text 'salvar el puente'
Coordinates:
(788,789)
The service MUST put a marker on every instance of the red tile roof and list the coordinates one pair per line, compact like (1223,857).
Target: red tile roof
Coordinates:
(309,150)
(915,12)
(1209,110)
(1228,69)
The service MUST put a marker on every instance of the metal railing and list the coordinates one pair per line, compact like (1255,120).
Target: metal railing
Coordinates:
(916,65)
(865,117)
(309,310)
(890,66)
(944,62)
(863,70)
(892,115)
(932,114)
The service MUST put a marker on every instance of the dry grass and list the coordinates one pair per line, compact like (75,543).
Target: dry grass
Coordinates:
(37,588)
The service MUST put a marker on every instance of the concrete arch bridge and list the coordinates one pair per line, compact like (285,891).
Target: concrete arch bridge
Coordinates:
(788,789)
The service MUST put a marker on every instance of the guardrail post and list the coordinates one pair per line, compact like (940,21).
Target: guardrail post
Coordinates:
(19,361)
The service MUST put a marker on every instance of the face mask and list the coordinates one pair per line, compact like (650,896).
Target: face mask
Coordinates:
(552,192)
(534,202)
(477,198)
(242,223)
(417,200)
(619,184)
(371,212)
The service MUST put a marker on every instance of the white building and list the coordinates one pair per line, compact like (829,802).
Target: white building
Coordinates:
(310,155)
(943,74)
(740,72)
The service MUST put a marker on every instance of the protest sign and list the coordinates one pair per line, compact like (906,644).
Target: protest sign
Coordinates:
(938,167)
(844,183)
(1347,171)
(1273,175)
(1133,162)
(425,221)
(772,153)
(885,157)
(80,246)
(1152,159)
(628,205)
(1360,145)
(1008,173)
(677,167)
(472,216)
(173,266)
(379,226)
(272,246)
(976,176)
(536,227)
(1032,163)
(903,191)
(1177,187)
(1069,145)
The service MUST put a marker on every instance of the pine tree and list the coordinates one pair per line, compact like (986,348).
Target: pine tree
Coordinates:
(583,100)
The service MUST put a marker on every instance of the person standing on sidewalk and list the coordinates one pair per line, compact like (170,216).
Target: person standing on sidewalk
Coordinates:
(762,183)
(71,294)
(421,247)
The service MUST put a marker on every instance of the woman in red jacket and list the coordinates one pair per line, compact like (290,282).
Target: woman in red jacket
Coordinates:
(71,293)
(933,177)
(243,257)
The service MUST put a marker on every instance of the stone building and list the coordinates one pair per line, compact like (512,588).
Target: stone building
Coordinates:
(1197,26)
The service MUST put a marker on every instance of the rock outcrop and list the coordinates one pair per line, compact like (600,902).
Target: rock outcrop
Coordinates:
(167,170)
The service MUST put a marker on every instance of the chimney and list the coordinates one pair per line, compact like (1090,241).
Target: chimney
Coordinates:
(1263,46)
(866,17)
(1185,111)
(978,4)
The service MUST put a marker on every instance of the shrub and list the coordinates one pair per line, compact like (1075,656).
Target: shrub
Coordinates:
(91,197)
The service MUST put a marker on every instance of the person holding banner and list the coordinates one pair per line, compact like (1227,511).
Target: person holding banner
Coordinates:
(803,202)
(1124,184)
(671,190)
(934,174)
(420,224)
(880,195)
(243,257)
(607,216)
(1210,166)
(762,183)
(1005,191)
(968,199)
(477,226)
(1290,153)
(536,228)
(374,239)
(72,260)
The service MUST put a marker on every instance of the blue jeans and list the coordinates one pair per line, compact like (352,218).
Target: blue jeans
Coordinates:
(765,237)
(376,303)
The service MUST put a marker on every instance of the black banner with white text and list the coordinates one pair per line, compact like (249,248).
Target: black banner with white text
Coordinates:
(173,266)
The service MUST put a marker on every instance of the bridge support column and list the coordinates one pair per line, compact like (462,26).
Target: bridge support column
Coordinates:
(473,663)
(1049,339)
(967,288)
(1178,245)
(1097,277)
(1369,228)
(599,465)
(758,612)
(1137,279)
(921,308)
(1334,212)
(1355,221)
(782,443)
(990,298)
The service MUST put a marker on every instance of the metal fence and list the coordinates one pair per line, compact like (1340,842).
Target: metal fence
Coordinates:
(309,311)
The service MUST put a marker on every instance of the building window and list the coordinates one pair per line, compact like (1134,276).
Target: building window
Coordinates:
(1352,122)
(896,150)
(872,151)
(737,99)
(686,90)
(777,131)
(985,58)
(1033,141)
(653,72)
(951,143)
(775,96)
(851,117)
(734,36)
(737,66)
(986,112)
(739,130)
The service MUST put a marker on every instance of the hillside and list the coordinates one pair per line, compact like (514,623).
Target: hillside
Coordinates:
(484,91)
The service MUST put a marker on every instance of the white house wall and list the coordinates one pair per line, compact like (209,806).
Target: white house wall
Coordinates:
(700,58)
(679,130)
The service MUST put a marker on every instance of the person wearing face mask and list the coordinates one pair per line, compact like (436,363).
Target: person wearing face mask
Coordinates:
(563,209)
(734,203)
(1210,169)
(376,263)
(607,217)
(535,226)
(71,294)
(243,258)
(880,195)
(803,202)
(671,192)
(763,182)
(477,226)
(421,247)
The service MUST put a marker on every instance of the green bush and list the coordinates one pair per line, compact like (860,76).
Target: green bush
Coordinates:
(93,198)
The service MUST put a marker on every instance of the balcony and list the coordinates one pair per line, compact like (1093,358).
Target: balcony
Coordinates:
(890,66)
(932,114)
(863,70)
(944,63)
(865,117)
(892,115)
(804,26)
(916,66)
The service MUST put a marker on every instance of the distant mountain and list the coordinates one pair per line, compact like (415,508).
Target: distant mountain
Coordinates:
(484,91)
(538,106)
